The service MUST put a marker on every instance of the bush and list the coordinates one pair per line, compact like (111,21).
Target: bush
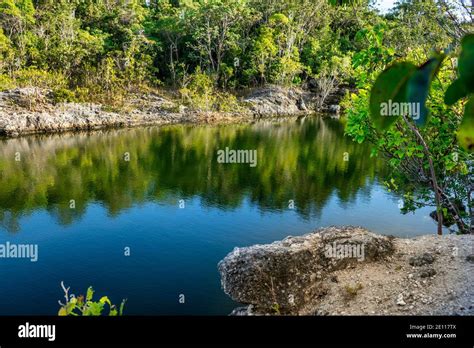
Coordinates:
(85,306)
(6,82)
(33,77)
(200,94)
(227,102)
(63,95)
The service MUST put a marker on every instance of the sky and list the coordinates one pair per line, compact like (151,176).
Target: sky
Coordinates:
(385,5)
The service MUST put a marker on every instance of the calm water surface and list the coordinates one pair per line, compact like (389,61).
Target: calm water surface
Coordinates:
(136,204)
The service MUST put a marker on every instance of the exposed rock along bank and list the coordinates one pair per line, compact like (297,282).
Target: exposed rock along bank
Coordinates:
(351,271)
(31,110)
(277,101)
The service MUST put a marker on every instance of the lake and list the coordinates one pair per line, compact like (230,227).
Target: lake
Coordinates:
(86,199)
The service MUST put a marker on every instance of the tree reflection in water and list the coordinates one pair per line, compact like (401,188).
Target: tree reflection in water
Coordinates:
(300,160)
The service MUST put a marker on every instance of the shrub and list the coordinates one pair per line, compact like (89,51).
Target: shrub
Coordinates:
(200,94)
(63,95)
(85,306)
(6,82)
(350,292)
(33,77)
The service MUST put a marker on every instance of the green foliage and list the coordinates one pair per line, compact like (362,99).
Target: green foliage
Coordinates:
(86,306)
(403,83)
(466,129)
(375,53)
(464,84)
(6,83)
(419,84)
(344,2)
(391,85)
(273,60)
(61,95)
(276,309)
(424,25)
(33,77)
(6,51)
(358,124)
(429,167)
(200,94)
(264,51)
(466,62)
(82,41)
(106,49)
(349,292)
(457,90)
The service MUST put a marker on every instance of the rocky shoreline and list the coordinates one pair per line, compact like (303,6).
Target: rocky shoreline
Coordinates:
(26,111)
(351,271)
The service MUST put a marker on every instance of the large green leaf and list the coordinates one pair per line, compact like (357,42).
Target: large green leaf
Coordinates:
(466,130)
(467,40)
(464,85)
(90,293)
(457,90)
(105,299)
(390,87)
(66,310)
(122,305)
(418,89)
(94,309)
(466,62)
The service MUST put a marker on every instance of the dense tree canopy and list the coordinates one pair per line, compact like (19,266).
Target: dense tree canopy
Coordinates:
(105,48)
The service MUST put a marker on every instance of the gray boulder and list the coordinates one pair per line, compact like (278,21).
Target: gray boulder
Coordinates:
(279,101)
(284,276)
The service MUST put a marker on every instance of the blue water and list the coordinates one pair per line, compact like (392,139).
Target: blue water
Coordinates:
(174,250)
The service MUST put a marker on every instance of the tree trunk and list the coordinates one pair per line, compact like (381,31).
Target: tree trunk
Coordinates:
(434,181)
(469,206)
(455,213)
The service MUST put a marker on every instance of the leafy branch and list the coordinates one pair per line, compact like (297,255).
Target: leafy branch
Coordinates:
(85,306)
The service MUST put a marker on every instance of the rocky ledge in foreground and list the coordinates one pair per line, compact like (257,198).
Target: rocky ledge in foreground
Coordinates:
(351,271)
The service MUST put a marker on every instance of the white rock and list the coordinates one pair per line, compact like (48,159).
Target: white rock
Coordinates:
(400,300)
